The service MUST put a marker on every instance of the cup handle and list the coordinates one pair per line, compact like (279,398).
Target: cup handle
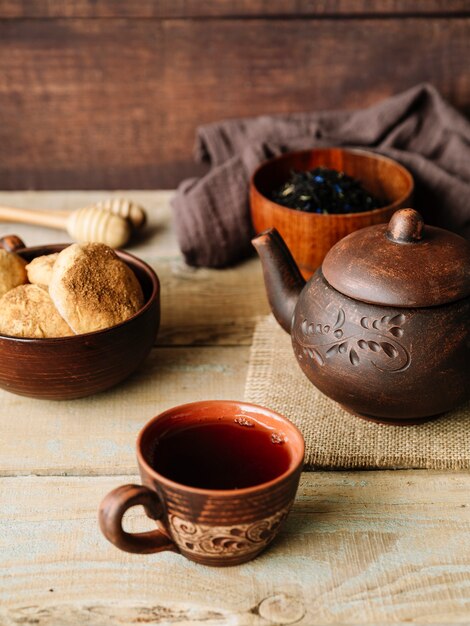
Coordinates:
(11,243)
(112,510)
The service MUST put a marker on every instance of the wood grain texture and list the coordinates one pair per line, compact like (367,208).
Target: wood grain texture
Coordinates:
(199,308)
(97,435)
(156,239)
(224,305)
(220,8)
(72,118)
(358,548)
(87,224)
(309,236)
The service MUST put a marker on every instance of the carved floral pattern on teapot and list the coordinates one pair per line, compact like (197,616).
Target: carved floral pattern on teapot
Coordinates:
(374,339)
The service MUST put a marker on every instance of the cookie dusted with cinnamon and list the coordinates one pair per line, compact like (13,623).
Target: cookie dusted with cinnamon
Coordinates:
(40,269)
(28,311)
(93,289)
(12,271)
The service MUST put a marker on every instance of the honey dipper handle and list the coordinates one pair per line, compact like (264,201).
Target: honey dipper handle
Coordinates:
(112,510)
(87,224)
(38,218)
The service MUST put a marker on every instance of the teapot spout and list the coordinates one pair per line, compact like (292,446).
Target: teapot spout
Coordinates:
(282,277)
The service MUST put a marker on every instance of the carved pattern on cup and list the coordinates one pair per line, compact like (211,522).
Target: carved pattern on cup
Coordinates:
(375,339)
(226,540)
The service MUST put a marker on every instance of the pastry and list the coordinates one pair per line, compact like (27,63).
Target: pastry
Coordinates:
(40,269)
(28,311)
(93,289)
(12,271)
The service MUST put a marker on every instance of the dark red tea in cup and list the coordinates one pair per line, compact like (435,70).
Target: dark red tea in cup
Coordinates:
(221,455)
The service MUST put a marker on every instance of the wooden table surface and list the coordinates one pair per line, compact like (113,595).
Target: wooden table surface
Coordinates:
(373,547)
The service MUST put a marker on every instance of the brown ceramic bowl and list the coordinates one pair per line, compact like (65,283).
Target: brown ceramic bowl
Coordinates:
(309,236)
(73,367)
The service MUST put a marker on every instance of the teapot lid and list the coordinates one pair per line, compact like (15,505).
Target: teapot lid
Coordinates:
(404,263)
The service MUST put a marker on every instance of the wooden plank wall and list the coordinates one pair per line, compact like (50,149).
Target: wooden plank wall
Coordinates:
(108,93)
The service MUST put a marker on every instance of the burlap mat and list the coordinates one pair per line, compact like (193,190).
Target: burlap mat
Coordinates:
(336,439)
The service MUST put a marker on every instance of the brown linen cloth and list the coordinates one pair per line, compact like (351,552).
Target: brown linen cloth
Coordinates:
(334,438)
(417,128)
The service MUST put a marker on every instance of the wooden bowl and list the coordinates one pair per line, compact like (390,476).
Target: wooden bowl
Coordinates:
(72,367)
(309,236)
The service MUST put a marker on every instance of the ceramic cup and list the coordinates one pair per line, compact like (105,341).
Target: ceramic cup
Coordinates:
(209,526)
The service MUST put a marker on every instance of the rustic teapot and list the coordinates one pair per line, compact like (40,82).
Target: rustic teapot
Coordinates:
(383,327)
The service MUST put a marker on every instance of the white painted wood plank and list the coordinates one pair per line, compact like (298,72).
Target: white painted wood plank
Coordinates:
(96,435)
(358,548)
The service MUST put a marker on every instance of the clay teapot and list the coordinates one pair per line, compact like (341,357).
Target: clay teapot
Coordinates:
(383,327)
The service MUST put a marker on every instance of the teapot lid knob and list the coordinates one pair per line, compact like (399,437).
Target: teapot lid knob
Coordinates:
(405,226)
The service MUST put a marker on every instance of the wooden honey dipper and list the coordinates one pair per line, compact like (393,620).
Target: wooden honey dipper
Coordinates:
(125,208)
(110,221)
